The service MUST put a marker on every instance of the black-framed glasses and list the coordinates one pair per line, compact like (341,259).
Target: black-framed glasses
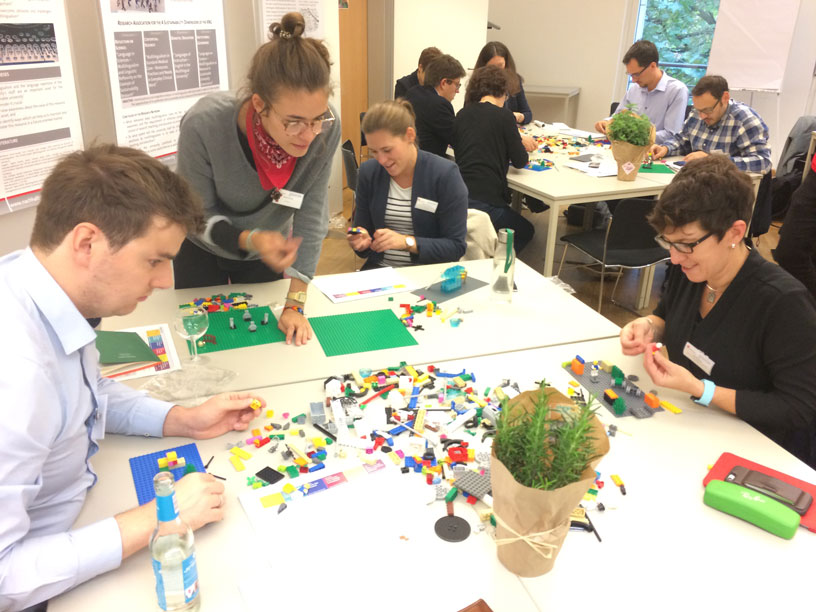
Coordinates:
(708,111)
(636,75)
(293,127)
(681,247)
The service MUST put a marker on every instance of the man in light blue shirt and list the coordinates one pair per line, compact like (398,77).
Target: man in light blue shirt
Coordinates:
(109,222)
(653,92)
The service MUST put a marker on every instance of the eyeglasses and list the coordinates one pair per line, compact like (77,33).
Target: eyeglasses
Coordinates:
(707,112)
(681,247)
(293,127)
(636,75)
(456,82)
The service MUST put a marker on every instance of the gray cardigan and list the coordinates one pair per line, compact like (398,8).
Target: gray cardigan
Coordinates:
(211,158)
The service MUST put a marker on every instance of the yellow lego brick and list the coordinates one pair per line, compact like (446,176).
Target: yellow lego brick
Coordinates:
(412,372)
(255,403)
(419,422)
(300,462)
(268,428)
(237,463)
(500,395)
(162,462)
(471,454)
(570,392)
(294,432)
(357,378)
(477,400)
(458,381)
(394,457)
(240,306)
(172,456)
(257,485)
(270,414)
(240,452)
(288,487)
(369,460)
(256,432)
(573,383)
(319,442)
(606,366)
(182,462)
(670,407)
(276,499)
(421,379)
(589,497)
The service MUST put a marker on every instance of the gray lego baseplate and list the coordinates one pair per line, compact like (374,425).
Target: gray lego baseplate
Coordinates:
(635,406)
(473,483)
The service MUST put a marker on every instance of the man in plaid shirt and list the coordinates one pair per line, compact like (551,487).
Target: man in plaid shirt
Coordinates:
(718,124)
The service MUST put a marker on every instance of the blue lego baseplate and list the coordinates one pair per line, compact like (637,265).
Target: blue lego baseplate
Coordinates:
(635,406)
(145,467)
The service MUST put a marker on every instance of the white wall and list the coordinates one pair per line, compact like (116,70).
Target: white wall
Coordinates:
(569,43)
(457,27)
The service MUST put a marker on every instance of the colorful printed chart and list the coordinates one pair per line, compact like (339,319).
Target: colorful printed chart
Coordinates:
(361,285)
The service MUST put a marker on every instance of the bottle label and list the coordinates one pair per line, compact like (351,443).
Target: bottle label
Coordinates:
(189,572)
(166,507)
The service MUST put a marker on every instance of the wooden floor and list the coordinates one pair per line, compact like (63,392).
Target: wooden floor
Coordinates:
(337,257)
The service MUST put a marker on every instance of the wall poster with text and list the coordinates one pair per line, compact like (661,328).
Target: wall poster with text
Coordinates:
(163,55)
(39,116)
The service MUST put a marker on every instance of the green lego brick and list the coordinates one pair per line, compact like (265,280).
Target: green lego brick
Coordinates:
(753,507)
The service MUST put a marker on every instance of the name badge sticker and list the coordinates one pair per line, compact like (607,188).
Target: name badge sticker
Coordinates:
(426,205)
(292,199)
(698,358)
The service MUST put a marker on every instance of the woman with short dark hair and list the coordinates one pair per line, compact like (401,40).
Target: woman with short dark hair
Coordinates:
(485,142)
(740,331)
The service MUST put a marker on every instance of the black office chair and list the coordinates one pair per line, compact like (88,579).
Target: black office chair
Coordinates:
(362,137)
(627,242)
(350,164)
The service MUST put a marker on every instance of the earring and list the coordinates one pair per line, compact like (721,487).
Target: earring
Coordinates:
(733,246)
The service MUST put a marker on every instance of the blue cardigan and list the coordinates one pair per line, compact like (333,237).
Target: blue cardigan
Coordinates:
(440,236)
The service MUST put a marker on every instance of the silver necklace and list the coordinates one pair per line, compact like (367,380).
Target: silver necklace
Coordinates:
(712,294)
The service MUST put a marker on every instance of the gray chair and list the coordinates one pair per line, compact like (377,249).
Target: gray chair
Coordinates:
(627,242)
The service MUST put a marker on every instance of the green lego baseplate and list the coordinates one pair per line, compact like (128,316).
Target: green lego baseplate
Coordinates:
(219,336)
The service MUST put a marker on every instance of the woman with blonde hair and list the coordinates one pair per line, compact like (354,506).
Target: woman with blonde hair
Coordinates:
(411,205)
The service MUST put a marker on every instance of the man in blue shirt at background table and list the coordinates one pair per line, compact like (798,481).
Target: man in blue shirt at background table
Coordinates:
(653,92)
(109,222)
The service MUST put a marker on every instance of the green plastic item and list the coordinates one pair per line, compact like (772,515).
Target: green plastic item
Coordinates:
(753,507)
(360,331)
(452,494)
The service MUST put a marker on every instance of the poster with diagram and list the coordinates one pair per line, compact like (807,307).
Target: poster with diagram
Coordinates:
(163,55)
(39,116)
(273,10)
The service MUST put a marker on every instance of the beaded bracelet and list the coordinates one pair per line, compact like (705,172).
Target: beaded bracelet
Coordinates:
(295,308)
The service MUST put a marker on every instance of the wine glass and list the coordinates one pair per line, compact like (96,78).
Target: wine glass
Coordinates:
(191,324)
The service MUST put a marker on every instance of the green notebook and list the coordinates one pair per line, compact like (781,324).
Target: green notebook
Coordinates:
(360,331)
(123,347)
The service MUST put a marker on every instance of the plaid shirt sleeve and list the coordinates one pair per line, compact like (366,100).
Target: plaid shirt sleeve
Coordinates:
(749,149)
(680,143)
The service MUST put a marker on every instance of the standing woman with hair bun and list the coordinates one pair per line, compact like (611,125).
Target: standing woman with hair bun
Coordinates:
(261,164)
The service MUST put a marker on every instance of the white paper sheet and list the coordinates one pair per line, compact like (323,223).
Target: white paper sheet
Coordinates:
(341,288)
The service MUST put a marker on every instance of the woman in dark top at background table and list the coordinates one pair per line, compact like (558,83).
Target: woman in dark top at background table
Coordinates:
(411,205)
(485,141)
(496,53)
(740,331)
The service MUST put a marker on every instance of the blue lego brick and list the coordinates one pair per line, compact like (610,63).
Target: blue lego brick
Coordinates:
(397,430)
(144,467)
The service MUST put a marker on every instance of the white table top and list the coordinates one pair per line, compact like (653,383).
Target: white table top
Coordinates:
(661,544)
(541,314)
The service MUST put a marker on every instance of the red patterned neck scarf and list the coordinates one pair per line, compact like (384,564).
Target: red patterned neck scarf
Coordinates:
(274,165)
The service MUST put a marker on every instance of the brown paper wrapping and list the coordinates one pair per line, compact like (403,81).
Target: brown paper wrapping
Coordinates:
(624,153)
(544,515)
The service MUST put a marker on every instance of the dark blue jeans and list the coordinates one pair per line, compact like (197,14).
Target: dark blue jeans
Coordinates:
(504,216)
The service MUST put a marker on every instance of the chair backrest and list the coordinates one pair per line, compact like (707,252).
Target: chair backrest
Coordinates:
(613,107)
(481,236)
(362,134)
(350,164)
(629,229)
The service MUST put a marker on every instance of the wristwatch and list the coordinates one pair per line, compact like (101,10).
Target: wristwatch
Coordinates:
(410,242)
(296,296)
(708,393)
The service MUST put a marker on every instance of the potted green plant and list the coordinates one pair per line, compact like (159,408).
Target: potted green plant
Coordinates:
(545,451)
(632,136)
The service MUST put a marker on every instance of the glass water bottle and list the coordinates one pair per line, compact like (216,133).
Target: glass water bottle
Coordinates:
(504,265)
